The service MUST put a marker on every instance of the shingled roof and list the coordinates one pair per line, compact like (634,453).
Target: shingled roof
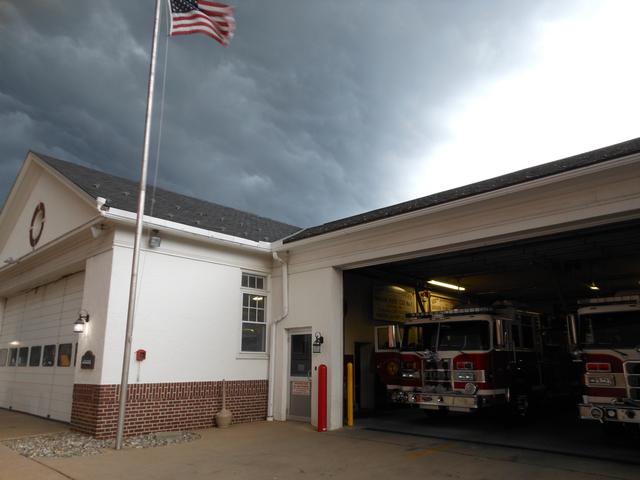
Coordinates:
(122,193)
(521,176)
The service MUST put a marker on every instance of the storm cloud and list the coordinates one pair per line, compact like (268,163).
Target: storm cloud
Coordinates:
(317,110)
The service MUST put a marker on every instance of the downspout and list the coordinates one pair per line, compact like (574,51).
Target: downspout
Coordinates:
(272,346)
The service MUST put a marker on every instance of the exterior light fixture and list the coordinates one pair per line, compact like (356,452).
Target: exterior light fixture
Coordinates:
(83,318)
(14,343)
(593,286)
(154,239)
(447,285)
(317,343)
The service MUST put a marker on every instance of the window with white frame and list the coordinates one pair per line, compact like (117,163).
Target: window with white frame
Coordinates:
(254,313)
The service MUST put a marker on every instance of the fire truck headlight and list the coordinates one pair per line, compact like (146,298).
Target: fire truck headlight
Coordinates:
(596,413)
(611,413)
(464,376)
(470,388)
(411,398)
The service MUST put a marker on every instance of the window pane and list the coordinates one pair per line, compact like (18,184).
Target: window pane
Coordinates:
(23,356)
(64,355)
(253,337)
(515,332)
(252,315)
(260,315)
(13,357)
(527,337)
(34,357)
(252,282)
(4,354)
(260,283)
(49,355)
(300,355)
(246,298)
(245,280)
(245,314)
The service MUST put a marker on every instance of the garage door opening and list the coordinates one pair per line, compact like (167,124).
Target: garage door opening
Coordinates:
(445,310)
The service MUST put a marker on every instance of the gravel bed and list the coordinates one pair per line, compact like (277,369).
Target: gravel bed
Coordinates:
(70,444)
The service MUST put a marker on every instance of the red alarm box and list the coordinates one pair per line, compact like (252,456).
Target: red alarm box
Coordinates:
(141,355)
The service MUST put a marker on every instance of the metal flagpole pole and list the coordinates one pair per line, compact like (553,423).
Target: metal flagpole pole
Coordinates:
(136,246)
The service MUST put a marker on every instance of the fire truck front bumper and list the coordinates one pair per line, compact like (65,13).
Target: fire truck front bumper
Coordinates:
(456,402)
(610,412)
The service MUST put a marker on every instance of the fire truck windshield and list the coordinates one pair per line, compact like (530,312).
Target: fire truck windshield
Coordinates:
(420,337)
(610,329)
(448,336)
(464,336)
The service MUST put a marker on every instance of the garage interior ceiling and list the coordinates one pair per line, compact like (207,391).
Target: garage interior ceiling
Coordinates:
(554,269)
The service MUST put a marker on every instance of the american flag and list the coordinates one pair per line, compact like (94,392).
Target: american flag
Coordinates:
(199,16)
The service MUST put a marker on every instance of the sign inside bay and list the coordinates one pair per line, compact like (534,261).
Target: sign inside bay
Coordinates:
(391,303)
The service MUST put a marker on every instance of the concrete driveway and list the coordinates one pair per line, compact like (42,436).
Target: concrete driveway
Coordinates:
(19,425)
(293,450)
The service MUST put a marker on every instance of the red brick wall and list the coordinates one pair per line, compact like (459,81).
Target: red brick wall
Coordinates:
(161,407)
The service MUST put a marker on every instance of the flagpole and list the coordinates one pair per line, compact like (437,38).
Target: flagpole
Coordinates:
(136,246)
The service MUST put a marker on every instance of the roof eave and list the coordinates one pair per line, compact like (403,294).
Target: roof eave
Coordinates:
(129,218)
(286,244)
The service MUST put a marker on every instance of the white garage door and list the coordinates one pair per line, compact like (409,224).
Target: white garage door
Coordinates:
(38,349)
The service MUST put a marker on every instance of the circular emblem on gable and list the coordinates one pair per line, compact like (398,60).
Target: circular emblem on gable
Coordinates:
(37,225)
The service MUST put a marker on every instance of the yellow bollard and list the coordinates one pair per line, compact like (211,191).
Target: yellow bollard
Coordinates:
(350,394)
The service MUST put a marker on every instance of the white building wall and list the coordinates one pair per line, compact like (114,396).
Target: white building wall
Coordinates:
(188,313)
(95,300)
(63,212)
(315,302)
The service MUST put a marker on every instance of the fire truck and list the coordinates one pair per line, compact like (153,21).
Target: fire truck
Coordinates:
(606,334)
(463,360)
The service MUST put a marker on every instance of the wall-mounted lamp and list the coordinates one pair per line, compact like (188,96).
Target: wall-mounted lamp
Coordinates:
(154,239)
(317,343)
(83,318)
(593,286)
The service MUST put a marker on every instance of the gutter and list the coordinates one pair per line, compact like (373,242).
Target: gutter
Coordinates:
(272,344)
(129,218)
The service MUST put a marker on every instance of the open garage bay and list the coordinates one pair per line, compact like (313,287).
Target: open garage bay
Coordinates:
(546,275)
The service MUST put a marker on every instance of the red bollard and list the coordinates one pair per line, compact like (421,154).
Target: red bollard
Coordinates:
(322,398)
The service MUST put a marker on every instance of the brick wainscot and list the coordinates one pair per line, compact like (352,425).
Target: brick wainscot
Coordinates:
(161,407)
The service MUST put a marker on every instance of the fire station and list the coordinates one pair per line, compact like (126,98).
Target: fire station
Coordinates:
(228,297)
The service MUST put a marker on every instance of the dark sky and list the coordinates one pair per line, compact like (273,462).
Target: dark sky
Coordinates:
(317,110)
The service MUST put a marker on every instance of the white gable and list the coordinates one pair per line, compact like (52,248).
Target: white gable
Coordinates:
(65,208)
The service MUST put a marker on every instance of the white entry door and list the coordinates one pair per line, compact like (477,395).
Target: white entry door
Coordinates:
(38,348)
(299,378)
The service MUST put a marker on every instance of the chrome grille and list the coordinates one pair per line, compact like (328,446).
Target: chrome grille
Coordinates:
(632,376)
(437,376)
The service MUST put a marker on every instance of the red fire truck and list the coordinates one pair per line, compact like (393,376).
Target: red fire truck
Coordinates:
(462,359)
(606,334)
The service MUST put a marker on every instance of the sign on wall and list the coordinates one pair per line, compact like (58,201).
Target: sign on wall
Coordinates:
(391,303)
(438,303)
